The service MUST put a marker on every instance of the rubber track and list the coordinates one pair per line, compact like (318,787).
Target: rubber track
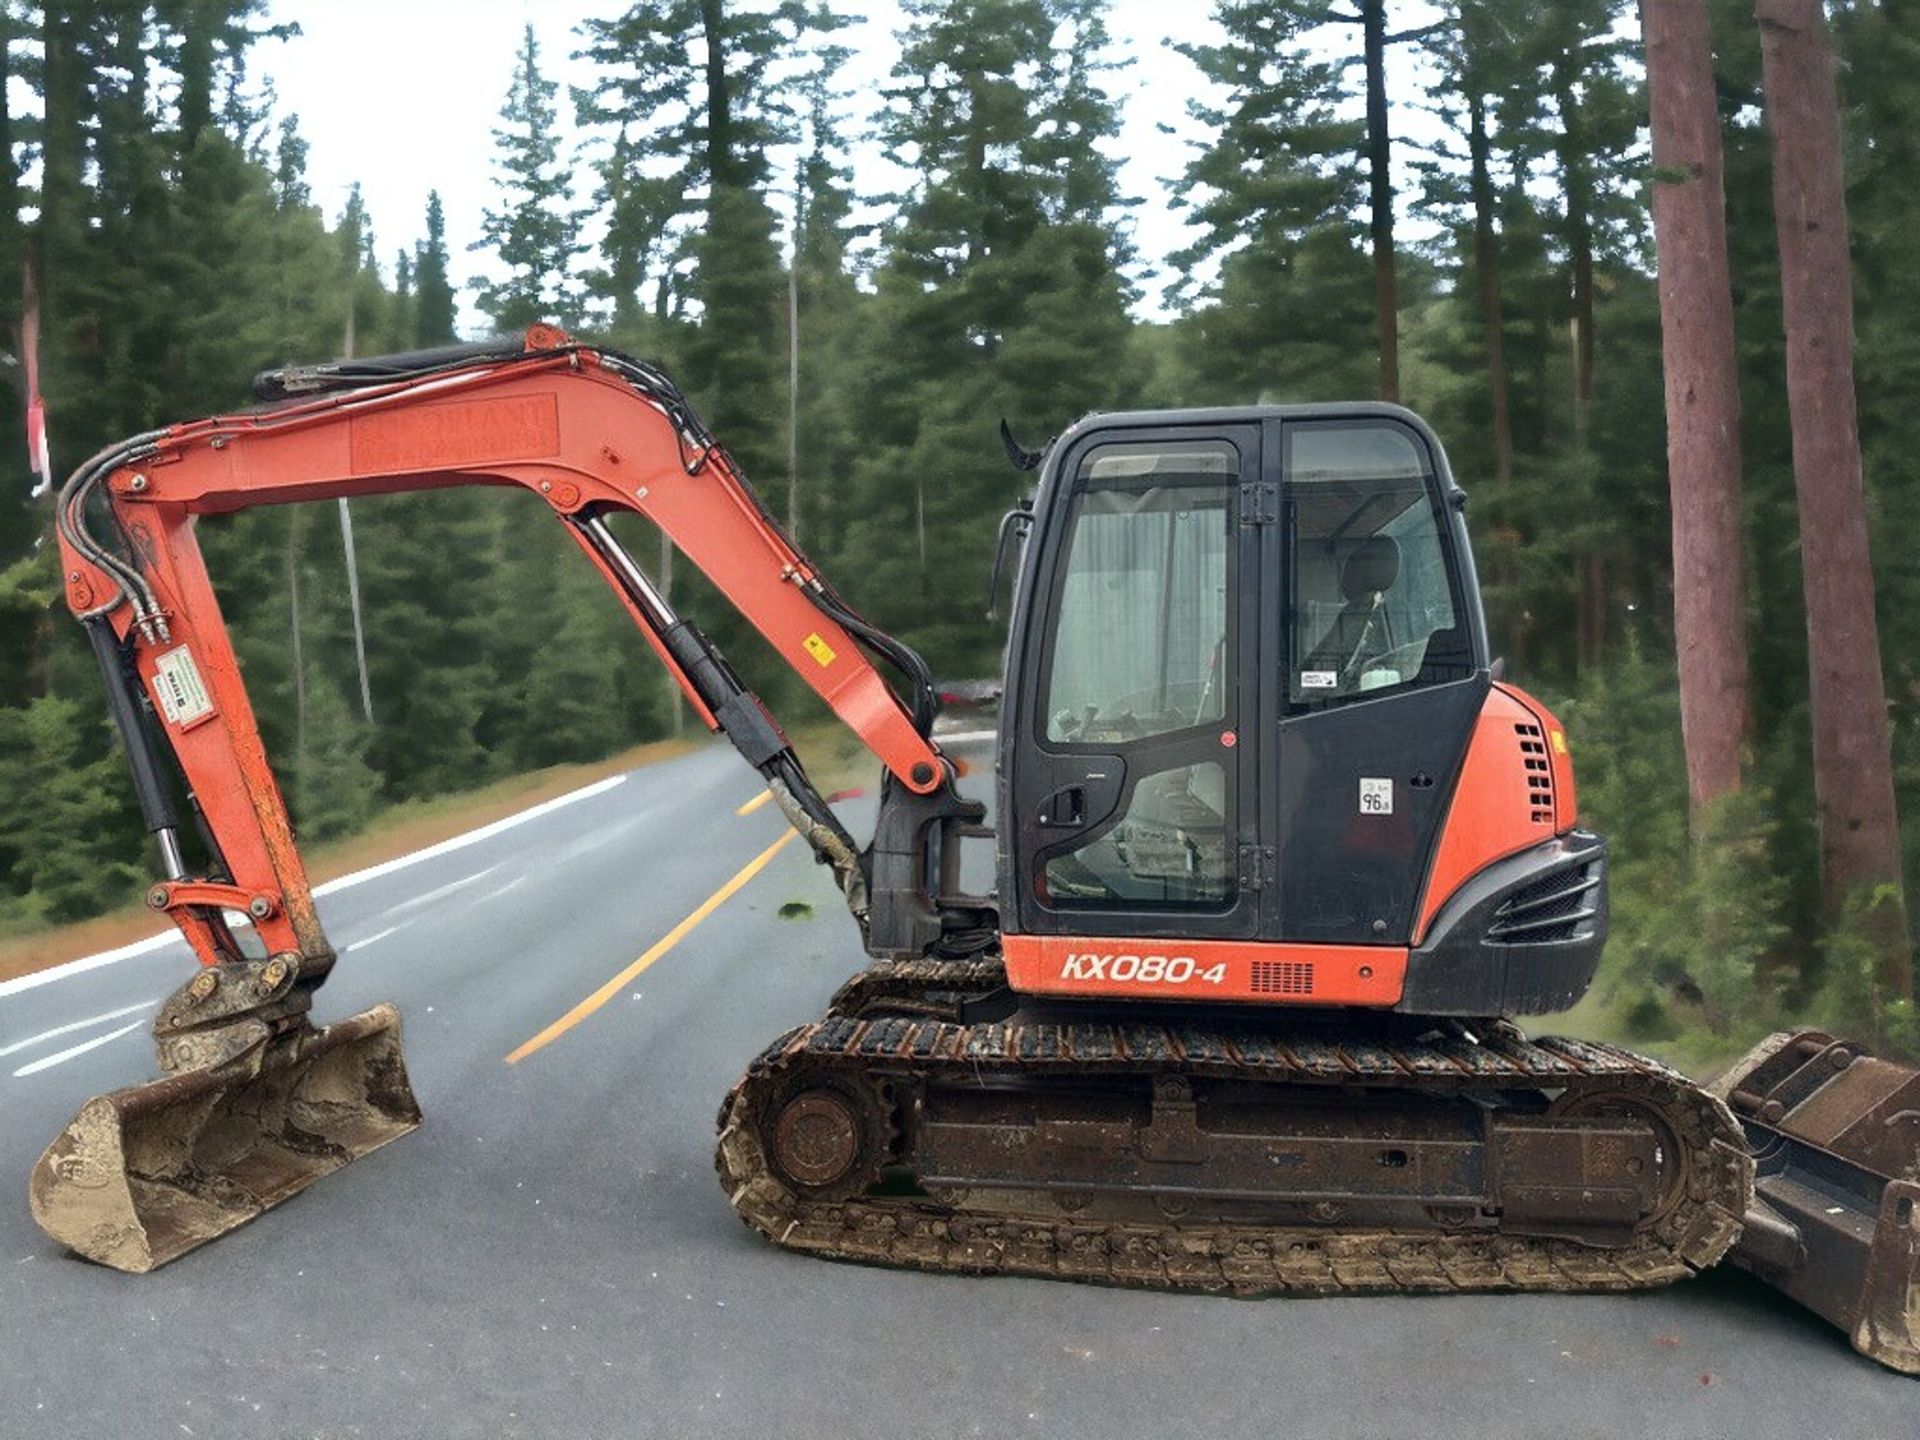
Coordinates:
(1231,1257)
(928,982)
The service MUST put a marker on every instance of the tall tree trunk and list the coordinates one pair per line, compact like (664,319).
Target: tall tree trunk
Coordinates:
(11,247)
(976,173)
(793,368)
(1703,394)
(713,22)
(62,152)
(197,27)
(1853,768)
(1576,176)
(1486,262)
(624,250)
(1386,305)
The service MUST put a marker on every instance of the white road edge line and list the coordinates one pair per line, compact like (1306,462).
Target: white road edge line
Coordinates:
(517,881)
(69,1028)
(377,935)
(964,737)
(47,1062)
(439,892)
(372,872)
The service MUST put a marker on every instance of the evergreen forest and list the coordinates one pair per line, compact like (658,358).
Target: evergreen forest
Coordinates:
(856,353)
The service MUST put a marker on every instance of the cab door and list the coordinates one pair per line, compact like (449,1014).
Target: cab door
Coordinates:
(1133,805)
(1383,677)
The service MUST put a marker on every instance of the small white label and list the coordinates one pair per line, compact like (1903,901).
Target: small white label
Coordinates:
(1318,679)
(1376,796)
(176,685)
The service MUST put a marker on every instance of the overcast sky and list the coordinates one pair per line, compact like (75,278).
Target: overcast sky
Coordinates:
(402,96)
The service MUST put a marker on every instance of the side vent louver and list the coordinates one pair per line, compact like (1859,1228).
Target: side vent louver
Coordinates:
(1533,755)
(1560,906)
(1283,977)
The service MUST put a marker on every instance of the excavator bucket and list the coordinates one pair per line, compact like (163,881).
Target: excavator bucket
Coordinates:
(1835,1135)
(145,1174)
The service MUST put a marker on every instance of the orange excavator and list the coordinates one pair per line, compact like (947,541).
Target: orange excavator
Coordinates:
(1277,856)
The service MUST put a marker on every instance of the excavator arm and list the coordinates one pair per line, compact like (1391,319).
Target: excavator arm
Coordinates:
(588,432)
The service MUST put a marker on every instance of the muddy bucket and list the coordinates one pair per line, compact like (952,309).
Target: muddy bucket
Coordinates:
(143,1175)
(1835,1136)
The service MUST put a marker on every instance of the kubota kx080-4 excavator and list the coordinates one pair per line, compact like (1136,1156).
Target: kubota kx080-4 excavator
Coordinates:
(1276,856)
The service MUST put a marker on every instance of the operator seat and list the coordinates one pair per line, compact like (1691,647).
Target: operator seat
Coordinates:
(1361,630)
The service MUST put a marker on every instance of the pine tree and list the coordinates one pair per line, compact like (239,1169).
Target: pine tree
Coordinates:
(290,166)
(533,234)
(999,282)
(359,279)
(645,87)
(825,307)
(1274,192)
(432,288)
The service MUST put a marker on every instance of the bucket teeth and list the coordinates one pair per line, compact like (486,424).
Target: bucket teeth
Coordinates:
(143,1175)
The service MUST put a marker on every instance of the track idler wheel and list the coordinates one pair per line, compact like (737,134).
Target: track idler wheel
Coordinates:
(827,1140)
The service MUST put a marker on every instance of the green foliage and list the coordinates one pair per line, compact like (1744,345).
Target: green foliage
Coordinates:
(1853,1000)
(334,791)
(1276,191)
(999,278)
(63,814)
(1698,919)
(533,234)
(433,313)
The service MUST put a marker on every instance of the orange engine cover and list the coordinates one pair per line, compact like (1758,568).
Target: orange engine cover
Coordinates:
(1515,790)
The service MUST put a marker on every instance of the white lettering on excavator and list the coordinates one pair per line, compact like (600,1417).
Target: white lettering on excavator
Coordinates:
(1142,969)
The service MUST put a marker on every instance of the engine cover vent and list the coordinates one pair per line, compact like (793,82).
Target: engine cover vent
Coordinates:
(1282,977)
(1533,756)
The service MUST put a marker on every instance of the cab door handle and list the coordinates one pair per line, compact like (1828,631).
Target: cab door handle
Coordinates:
(1065,807)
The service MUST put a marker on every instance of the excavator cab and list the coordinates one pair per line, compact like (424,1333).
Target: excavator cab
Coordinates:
(1252,707)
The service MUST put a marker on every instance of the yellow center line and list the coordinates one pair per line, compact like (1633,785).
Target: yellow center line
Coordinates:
(665,943)
(755,803)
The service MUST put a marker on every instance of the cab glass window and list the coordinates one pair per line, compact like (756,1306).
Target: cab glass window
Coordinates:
(1370,587)
(1168,851)
(1140,634)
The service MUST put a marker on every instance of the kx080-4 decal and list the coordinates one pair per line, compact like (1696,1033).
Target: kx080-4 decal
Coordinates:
(1143,969)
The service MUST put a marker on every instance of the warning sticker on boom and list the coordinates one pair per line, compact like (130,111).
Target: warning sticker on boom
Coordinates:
(818,649)
(176,685)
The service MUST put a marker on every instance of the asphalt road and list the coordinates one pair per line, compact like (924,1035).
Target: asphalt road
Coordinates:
(550,1254)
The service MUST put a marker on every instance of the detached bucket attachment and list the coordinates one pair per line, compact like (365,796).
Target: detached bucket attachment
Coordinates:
(1835,1135)
(146,1174)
